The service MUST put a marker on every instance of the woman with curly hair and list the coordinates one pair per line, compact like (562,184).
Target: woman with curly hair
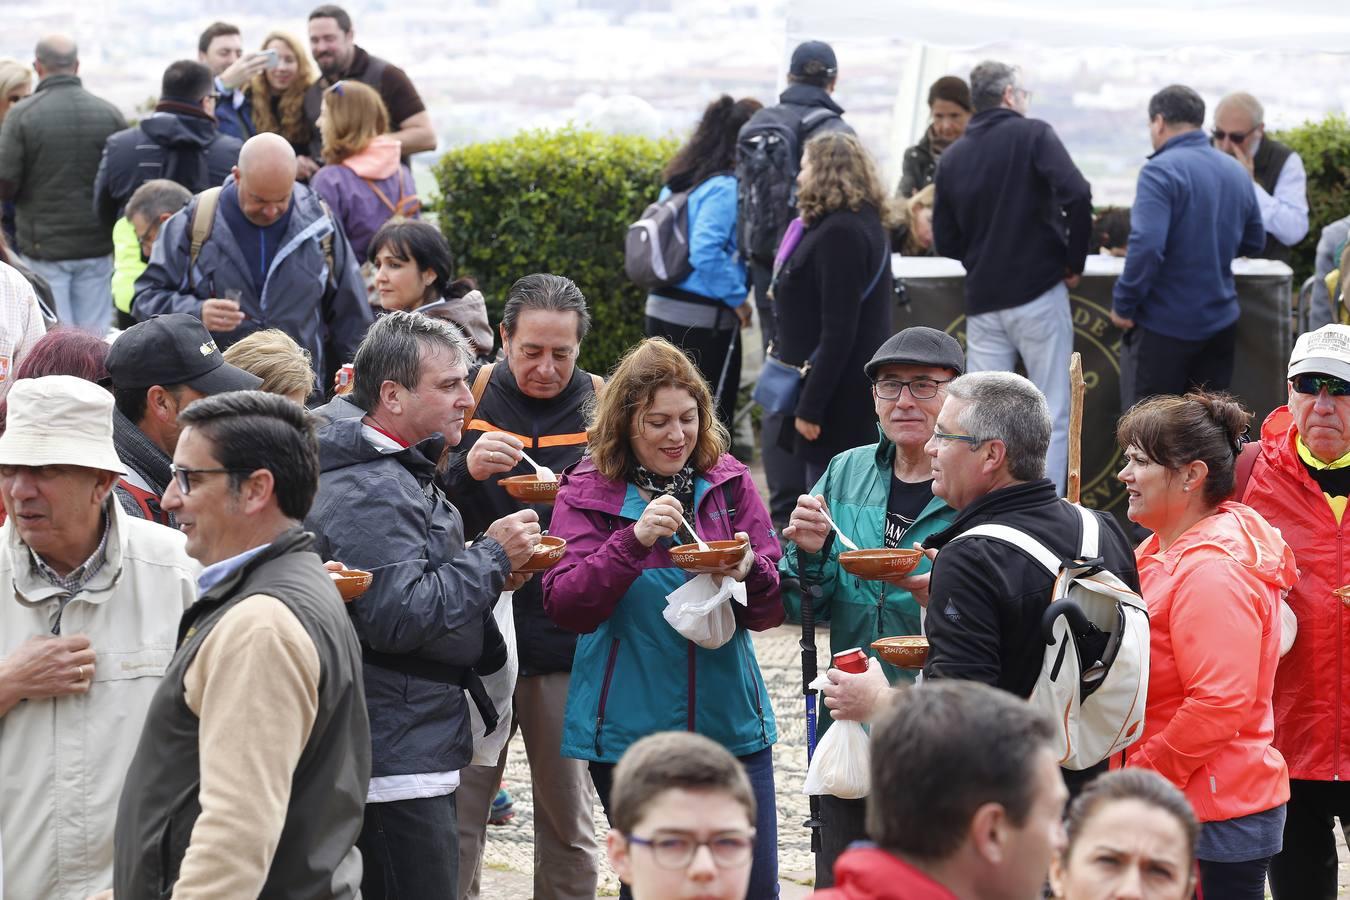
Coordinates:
(832,298)
(276,98)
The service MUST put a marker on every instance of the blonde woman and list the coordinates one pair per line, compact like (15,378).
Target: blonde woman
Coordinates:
(832,299)
(364,181)
(281,363)
(276,98)
(16,82)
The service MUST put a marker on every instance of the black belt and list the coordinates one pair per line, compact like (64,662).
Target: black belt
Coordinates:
(461,676)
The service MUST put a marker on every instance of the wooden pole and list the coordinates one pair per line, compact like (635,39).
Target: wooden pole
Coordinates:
(1076,391)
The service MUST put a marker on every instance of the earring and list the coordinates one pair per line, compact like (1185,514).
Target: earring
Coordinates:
(1186,488)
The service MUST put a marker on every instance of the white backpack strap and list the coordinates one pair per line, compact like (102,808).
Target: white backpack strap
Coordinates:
(1019,539)
(1091,532)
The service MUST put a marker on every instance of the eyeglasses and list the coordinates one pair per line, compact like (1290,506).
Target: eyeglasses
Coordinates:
(1310,383)
(1236,137)
(919,388)
(676,851)
(147,238)
(184,475)
(972,440)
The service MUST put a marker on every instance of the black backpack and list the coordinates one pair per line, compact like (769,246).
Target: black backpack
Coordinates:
(768,156)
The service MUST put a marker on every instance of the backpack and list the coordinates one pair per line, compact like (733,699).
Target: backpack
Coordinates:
(768,156)
(656,248)
(403,206)
(1095,694)
(203,217)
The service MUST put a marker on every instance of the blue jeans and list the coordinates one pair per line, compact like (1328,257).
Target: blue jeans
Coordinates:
(1041,333)
(410,850)
(759,769)
(82,289)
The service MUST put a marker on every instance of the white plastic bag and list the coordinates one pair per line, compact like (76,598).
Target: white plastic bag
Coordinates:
(842,763)
(701,611)
(501,685)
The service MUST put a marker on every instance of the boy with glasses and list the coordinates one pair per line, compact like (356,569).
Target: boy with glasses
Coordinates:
(682,814)
(881,495)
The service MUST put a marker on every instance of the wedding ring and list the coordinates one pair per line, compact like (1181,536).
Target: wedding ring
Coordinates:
(81,670)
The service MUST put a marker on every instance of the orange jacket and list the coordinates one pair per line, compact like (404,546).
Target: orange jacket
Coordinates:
(1214,643)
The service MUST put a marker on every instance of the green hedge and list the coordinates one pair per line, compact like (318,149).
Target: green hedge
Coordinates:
(554,202)
(1325,149)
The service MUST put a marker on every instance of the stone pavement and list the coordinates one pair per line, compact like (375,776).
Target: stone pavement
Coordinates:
(509,856)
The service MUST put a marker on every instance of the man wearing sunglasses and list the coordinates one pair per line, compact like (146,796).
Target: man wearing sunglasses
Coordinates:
(1278,177)
(1298,478)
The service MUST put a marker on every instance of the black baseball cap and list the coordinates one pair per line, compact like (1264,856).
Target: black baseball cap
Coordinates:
(813,52)
(918,346)
(174,349)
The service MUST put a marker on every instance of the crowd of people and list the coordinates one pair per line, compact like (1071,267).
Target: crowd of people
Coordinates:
(268,372)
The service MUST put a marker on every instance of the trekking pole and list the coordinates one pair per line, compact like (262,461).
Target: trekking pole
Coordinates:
(808,646)
(1076,391)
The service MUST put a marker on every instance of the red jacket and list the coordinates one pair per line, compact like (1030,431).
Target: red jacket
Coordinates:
(870,873)
(1312,684)
(1214,643)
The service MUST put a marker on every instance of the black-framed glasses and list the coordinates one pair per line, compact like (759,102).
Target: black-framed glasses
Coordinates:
(1236,137)
(183,475)
(1313,383)
(970,439)
(919,388)
(676,851)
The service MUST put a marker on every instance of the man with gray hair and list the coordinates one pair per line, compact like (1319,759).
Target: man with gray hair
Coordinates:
(260,252)
(1007,191)
(1278,178)
(985,598)
(50,148)
(426,623)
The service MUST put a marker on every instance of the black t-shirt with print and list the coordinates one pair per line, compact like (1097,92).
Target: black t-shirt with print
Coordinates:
(1335,482)
(907,501)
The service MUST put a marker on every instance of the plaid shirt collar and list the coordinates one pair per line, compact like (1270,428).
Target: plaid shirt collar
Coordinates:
(74,582)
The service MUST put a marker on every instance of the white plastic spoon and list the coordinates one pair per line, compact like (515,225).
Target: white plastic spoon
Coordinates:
(701,544)
(842,537)
(543,473)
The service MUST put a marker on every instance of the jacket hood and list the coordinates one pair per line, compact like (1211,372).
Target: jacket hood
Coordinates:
(343,444)
(379,160)
(589,489)
(809,95)
(172,130)
(1241,534)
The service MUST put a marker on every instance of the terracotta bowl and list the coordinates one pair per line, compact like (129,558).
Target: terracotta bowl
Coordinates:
(719,558)
(351,583)
(529,489)
(907,651)
(873,565)
(546,554)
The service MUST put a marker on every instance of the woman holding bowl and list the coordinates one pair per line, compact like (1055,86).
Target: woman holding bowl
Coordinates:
(658,454)
(1212,572)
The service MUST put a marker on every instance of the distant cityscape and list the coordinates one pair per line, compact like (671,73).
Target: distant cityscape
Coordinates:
(490,68)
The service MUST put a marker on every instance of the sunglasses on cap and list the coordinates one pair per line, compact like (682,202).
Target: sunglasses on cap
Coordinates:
(1310,383)
(1236,137)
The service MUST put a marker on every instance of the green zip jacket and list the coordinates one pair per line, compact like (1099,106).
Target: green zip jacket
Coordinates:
(857,486)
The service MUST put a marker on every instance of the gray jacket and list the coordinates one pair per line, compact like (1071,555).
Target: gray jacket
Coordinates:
(50,147)
(423,622)
(327,313)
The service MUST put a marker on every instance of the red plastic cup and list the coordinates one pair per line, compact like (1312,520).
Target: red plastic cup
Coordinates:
(346,379)
(853,661)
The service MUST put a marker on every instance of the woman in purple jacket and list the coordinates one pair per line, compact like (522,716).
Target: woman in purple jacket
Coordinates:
(657,454)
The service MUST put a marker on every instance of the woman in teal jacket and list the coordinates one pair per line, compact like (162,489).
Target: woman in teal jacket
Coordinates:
(880,495)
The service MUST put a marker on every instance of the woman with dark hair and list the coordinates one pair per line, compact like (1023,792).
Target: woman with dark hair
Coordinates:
(1213,572)
(703,314)
(950,106)
(1130,834)
(658,457)
(832,299)
(414,272)
(276,100)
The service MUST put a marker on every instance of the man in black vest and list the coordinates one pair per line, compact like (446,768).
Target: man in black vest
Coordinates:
(1277,172)
(332,41)
(250,778)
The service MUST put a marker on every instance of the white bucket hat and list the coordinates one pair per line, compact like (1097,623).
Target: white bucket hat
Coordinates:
(59,420)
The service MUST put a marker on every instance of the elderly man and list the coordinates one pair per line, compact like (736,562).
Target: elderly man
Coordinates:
(533,401)
(252,768)
(985,598)
(149,207)
(1279,180)
(427,617)
(90,602)
(1193,212)
(50,148)
(968,800)
(271,257)
(157,368)
(881,495)
(1006,192)
(1299,481)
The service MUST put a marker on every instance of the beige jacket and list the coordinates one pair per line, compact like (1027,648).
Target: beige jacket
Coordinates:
(62,760)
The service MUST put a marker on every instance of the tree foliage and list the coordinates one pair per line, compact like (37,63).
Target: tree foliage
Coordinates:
(1325,149)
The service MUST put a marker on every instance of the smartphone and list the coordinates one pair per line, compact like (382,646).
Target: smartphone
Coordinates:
(272,59)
